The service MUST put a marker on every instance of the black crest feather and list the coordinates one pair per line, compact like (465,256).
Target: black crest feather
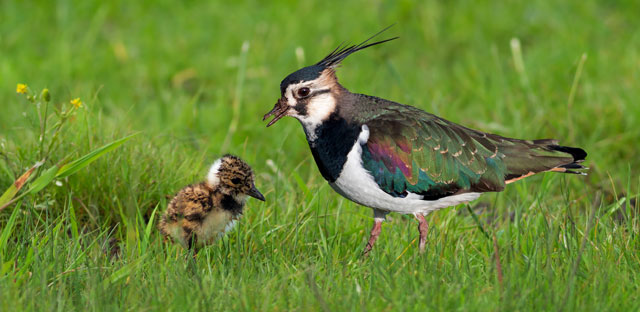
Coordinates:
(342,51)
(330,61)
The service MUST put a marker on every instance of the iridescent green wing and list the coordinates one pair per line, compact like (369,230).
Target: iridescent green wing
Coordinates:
(412,151)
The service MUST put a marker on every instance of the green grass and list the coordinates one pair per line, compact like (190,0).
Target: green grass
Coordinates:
(178,74)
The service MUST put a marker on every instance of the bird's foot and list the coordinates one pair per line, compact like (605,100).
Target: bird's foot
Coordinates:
(375,232)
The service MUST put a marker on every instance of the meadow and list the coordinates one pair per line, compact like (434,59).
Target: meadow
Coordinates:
(188,81)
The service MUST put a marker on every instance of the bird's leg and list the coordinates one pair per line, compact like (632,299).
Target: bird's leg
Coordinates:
(189,237)
(423,228)
(375,232)
(191,241)
(193,248)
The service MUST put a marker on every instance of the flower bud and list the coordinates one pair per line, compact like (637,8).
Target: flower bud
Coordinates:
(45,95)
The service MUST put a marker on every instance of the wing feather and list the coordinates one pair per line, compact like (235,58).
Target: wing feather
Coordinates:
(410,150)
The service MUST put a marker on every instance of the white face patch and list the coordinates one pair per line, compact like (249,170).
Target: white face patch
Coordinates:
(319,107)
(212,176)
(291,100)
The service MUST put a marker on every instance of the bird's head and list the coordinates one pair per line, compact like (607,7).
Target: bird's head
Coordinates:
(309,94)
(233,177)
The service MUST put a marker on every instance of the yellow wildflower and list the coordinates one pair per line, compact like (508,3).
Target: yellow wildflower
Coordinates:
(76,103)
(21,88)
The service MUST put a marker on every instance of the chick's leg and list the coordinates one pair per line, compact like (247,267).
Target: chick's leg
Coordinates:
(189,236)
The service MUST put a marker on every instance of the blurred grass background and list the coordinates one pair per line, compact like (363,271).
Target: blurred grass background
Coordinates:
(178,72)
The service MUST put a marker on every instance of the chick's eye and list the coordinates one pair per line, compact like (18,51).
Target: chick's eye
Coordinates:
(302,92)
(235,180)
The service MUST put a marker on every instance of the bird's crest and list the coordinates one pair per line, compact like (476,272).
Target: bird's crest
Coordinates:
(343,50)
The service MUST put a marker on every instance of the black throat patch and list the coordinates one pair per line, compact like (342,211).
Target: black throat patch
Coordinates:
(334,140)
(229,203)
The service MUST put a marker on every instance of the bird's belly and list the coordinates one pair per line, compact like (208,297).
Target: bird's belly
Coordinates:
(214,226)
(176,231)
(357,184)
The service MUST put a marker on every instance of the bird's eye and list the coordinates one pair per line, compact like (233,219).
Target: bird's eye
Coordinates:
(235,180)
(303,92)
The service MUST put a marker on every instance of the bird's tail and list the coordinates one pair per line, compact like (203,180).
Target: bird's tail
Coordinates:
(578,154)
(526,158)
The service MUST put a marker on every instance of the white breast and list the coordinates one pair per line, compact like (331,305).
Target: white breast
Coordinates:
(357,184)
(214,226)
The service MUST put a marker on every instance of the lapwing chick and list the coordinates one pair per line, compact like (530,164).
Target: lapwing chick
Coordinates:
(202,212)
(397,158)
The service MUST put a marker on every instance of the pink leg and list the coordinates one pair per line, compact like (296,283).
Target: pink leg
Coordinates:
(375,232)
(423,228)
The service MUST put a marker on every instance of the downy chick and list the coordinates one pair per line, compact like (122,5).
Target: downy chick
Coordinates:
(202,212)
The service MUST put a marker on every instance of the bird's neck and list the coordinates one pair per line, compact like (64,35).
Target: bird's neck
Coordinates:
(330,143)
(223,199)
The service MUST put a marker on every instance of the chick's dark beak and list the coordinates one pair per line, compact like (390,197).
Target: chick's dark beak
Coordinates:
(279,110)
(253,192)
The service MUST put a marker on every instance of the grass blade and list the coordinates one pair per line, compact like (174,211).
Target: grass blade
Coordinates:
(8,195)
(123,272)
(87,159)
(6,231)
(147,230)
(478,223)
(43,180)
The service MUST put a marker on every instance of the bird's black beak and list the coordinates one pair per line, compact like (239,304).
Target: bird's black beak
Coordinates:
(279,110)
(255,193)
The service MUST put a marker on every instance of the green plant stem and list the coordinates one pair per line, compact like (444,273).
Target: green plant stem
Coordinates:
(43,131)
